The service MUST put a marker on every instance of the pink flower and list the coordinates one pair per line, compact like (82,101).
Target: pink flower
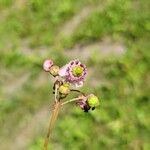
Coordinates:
(74,72)
(47,65)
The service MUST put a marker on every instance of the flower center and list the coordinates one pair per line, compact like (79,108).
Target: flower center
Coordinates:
(77,71)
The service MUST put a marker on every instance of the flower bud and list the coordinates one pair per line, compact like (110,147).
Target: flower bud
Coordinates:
(54,70)
(93,100)
(47,65)
(64,89)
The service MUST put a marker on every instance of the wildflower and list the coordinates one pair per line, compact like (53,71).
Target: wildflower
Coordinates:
(70,75)
(74,72)
(47,65)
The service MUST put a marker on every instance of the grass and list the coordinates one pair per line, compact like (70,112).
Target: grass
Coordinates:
(30,33)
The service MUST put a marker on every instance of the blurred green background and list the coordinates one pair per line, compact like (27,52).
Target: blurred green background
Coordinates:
(112,37)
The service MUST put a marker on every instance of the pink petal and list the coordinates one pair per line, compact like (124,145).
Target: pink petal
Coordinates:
(63,70)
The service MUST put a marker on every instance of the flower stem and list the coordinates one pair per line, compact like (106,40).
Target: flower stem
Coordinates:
(71,100)
(53,119)
(56,91)
(53,116)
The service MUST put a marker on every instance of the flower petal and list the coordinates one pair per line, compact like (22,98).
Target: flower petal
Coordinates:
(63,71)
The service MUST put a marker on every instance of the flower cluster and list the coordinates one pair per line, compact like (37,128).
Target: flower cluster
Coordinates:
(68,79)
(72,74)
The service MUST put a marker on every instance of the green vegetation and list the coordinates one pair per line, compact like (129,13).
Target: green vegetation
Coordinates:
(31,31)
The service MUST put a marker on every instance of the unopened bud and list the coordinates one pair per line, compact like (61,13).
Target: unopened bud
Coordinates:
(47,65)
(93,100)
(64,89)
(54,70)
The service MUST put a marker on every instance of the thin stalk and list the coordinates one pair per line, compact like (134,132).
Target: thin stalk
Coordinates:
(56,91)
(53,119)
(71,100)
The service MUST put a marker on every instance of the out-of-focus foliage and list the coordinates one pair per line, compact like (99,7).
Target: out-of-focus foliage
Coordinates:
(31,31)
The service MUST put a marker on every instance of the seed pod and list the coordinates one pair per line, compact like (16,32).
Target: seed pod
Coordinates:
(64,89)
(93,101)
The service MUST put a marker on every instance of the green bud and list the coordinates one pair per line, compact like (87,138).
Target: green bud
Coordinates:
(54,70)
(93,100)
(63,89)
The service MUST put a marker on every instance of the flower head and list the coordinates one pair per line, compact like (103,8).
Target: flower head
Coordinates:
(47,65)
(74,72)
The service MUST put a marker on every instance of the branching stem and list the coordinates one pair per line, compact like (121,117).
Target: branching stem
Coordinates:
(71,100)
